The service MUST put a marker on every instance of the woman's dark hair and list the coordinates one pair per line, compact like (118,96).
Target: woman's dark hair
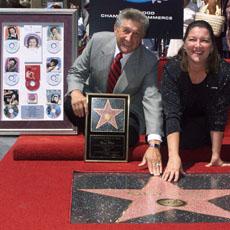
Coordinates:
(52,28)
(74,2)
(11,27)
(56,6)
(53,97)
(13,59)
(55,61)
(32,37)
(213,59)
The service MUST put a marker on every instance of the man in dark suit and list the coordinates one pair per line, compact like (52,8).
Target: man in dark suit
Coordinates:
(138,78)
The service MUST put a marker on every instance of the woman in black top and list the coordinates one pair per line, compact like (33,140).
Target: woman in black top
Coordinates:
(195,94)
(12,33)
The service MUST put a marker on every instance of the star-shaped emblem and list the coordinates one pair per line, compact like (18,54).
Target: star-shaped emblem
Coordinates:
(144,201)
(107,115)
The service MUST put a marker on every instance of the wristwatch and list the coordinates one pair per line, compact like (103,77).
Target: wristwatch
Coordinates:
(155,145)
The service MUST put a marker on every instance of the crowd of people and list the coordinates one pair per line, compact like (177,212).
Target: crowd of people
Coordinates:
(205,8)
(190,107)
(209,7)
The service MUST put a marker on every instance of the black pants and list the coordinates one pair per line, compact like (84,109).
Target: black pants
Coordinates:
(80,122)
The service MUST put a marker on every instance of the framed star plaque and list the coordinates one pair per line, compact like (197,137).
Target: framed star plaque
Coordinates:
(106,131)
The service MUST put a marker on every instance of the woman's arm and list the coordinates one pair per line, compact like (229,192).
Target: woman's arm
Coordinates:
(217,138)
(171,98)
(173,112)
(174,165)
(218,116)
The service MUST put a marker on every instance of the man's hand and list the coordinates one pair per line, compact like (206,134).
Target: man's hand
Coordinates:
(79,104)
(152,160)
(173,169)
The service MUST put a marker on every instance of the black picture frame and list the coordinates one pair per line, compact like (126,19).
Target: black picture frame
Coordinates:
(67,17)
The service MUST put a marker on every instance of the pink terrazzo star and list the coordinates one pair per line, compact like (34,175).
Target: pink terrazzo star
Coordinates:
(144,201)
(107,115)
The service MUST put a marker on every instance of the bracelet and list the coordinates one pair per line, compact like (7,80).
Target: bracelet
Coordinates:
(155,145)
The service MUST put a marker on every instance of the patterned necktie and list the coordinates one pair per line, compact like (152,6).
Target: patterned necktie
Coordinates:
(114,73)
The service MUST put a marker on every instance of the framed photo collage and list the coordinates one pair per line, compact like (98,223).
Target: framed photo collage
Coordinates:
(34,64)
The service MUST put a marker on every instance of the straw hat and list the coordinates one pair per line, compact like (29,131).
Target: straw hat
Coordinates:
(216,22)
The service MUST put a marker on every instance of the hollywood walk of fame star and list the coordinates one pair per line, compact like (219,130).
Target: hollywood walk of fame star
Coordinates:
(144,201)
(107,115)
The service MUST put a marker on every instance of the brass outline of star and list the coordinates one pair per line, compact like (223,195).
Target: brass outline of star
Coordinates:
(144,201)
(107,111)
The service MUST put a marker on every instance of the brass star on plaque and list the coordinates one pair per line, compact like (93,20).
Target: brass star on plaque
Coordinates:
(107,115)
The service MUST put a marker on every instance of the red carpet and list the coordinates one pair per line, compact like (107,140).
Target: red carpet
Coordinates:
(36,195)
(72,148)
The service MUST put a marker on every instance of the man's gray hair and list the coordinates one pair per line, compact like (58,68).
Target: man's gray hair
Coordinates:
(134,15)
